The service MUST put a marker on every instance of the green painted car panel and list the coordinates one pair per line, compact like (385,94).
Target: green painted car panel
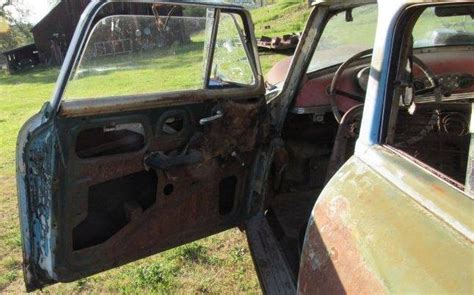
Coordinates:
(370,233)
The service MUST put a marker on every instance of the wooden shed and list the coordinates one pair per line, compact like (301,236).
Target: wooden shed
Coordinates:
(54,32)
(21,58)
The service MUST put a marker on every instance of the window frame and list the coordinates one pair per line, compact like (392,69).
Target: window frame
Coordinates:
(58,105)
(245,43)
(398,57)
(332,14)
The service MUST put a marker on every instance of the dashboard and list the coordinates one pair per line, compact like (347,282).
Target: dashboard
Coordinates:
(453,68)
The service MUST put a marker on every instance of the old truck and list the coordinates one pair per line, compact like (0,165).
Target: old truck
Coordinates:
(350,168)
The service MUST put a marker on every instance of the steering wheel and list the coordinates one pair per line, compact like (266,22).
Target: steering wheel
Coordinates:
(333,91)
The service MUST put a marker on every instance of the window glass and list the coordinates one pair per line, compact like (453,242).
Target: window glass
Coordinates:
(230,64)
(344,35)
(431,30)
(138,54)
(158,48)
(437,135)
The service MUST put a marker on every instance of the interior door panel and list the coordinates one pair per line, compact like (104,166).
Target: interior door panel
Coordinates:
(118,208)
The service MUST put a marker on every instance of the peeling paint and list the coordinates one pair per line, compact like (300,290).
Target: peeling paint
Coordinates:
(380,240)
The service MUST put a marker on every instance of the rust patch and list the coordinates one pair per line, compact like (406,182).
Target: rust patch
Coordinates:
(331,262)
(236,132)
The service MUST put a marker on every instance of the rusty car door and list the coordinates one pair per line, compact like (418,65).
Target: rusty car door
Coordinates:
(103,181)
(388,221)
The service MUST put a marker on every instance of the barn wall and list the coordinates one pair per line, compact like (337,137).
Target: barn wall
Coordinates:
(58,26)
(54,32)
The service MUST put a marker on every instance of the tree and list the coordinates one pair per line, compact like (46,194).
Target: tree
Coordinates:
(14,30)
(14,11)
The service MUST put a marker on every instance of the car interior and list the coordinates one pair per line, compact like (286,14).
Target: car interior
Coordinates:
(433,111)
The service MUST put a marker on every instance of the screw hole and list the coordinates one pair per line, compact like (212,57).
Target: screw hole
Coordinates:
(168,189)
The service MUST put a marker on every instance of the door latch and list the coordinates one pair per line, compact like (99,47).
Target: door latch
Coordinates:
(217,115)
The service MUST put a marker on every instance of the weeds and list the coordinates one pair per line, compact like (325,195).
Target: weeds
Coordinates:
(158,277)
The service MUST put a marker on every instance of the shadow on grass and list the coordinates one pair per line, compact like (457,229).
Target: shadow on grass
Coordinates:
(39,75)
(169,58)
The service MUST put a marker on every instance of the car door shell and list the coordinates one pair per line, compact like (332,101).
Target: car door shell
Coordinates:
(52,178)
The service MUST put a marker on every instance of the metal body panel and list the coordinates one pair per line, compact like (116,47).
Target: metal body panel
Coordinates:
(87,107)
(54,188)
(35,221)
(369,233)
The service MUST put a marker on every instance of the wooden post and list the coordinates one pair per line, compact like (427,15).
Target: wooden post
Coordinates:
(469,183)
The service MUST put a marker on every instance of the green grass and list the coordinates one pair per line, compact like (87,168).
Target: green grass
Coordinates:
(158,71)
(283,17)
(218,264)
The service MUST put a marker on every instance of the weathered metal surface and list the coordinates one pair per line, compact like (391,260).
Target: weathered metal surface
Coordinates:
(469,188)
(337,4)
(87,107)
(35,214)
(454,207)
(237,132)
(274,274)
(372,233)
(280,104)
(367,234)
(183,203)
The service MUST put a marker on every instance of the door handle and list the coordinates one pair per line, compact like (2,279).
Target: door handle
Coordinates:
(161,161)
(219,114)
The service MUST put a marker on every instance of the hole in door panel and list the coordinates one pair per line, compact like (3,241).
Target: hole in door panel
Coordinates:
(110,140)
(113,204)
(173,122)
(173,125)
(227,187)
